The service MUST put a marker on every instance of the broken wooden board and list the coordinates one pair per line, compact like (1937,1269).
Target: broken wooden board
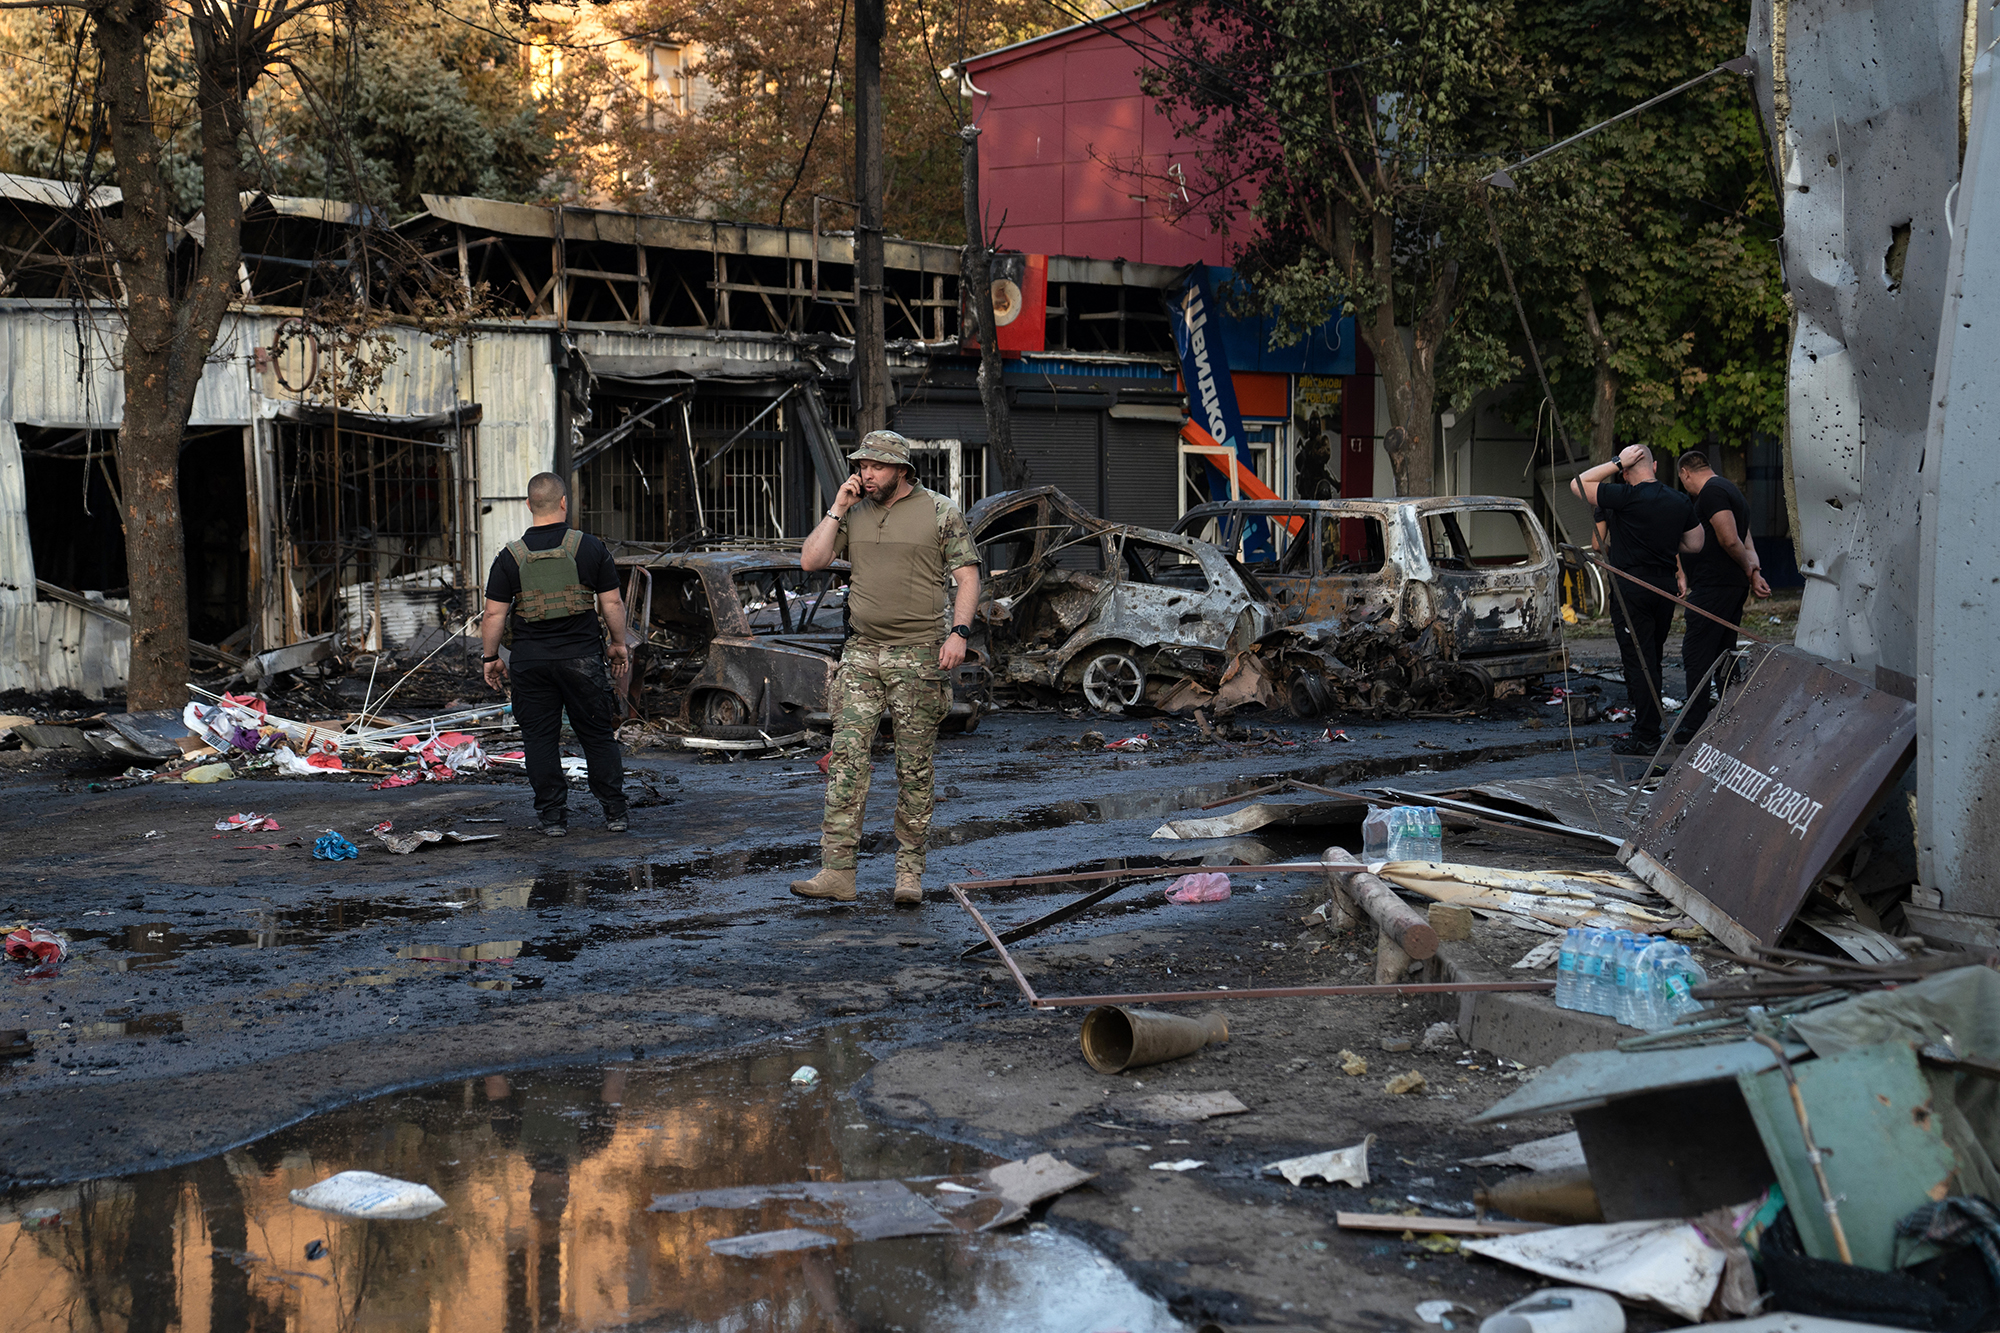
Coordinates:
(1752,813)
(1263,814)
(1435,1226)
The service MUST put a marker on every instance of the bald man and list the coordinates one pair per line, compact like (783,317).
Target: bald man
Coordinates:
(1651,526)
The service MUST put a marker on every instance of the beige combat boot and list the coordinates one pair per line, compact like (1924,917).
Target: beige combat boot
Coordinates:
(909,887)
(831,885)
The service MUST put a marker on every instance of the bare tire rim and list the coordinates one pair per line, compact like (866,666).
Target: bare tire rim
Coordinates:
(1113,680)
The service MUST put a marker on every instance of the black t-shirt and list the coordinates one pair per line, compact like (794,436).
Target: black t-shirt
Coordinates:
(564,637)
(1714,567)
(1647,521)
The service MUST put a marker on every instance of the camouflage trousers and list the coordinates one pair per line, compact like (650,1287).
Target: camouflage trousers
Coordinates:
(908,684)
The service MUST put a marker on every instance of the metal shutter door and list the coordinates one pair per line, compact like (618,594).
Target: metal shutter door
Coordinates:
(1141,458)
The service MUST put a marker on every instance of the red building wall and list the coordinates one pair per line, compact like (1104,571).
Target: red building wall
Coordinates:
(1077,157)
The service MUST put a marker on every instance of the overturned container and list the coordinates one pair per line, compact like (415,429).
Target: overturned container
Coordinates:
(1116,1038)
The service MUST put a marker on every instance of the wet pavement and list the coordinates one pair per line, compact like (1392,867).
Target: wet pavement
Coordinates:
(223,1000)
(546,1177)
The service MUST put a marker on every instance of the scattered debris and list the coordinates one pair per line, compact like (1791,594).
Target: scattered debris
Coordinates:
(805,1076)
(1439,1036)
(36,944)
(366,1195)
(1184,1164)
(1337,1166)
(1563,1310)
(331,846)
(1563,1195)
(248,823)
(1116,1039)
(1353,1065)
(833,1211)
(1184,1107)
(1440,1312)
(1204,887)
(402,844)
(1418,1224)
(1549,1154)
(1667,1261)
(1409,1081)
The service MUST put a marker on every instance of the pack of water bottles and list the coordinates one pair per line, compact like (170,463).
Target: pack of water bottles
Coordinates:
(1402,833)
(1640,981)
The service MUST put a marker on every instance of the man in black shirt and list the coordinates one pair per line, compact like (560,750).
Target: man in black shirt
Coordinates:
(559,651)
(1716,580)
(1651,525)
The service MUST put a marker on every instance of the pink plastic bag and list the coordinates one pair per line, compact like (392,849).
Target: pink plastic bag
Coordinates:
(1209,886)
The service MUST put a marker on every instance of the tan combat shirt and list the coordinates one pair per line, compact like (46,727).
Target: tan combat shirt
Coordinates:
(902,556)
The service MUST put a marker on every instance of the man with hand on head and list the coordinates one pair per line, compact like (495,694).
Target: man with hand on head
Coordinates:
(906,546)
(556,581)
(1716,579)
(1651,525)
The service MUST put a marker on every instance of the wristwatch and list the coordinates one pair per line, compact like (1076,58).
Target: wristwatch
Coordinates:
(962,632)
(494,658)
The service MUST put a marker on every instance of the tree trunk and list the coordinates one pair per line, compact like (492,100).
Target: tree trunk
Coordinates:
(1409,370)
(168,334)
(976,278)
(1604,388)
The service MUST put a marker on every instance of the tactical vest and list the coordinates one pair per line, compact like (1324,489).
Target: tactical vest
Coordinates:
(551,588)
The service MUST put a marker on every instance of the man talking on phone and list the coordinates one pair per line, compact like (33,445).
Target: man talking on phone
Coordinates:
(906,546)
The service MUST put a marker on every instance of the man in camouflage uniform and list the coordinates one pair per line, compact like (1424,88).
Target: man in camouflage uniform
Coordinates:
(906,545)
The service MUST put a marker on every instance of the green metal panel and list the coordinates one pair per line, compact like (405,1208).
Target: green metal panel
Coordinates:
(1883,1149)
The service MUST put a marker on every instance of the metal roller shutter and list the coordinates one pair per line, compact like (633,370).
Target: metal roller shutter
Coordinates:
(1140,462)
(1061,450)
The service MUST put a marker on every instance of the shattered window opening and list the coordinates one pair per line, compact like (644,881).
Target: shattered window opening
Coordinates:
(1149,562)
(792,600)
(1351,545)
(1498,538)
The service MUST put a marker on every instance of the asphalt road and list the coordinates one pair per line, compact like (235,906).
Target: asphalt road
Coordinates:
(218,991)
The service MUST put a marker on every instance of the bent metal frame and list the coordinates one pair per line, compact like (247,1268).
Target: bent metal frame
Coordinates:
(958,891)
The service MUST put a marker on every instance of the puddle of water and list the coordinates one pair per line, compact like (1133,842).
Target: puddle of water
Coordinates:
(546,1176)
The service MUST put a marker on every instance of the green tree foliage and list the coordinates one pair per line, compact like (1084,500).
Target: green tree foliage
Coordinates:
(1355,131)
(1647,254)
(429,101)
(769,122)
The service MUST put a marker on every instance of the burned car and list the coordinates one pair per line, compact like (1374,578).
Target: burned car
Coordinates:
(1070,601)
(750,637)
(1419,601)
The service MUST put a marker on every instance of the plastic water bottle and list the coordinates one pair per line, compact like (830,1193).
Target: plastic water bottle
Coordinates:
(1625,1008)
(1566,977)
(1594,990)
(1670,974)
(1402,833)
(1427,836)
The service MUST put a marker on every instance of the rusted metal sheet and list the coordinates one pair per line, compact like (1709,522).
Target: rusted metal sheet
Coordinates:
(1751,814)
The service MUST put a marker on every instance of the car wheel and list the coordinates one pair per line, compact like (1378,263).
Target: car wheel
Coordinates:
(1113,681)
(720,708)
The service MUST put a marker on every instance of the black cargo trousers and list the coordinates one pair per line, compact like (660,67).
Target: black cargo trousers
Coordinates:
(581,687)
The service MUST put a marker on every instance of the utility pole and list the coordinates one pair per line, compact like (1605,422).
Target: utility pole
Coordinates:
(871,356)
(976,278)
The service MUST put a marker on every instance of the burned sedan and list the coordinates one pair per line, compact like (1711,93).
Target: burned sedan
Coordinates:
(1070,601)
(751,638)
(1408,602)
